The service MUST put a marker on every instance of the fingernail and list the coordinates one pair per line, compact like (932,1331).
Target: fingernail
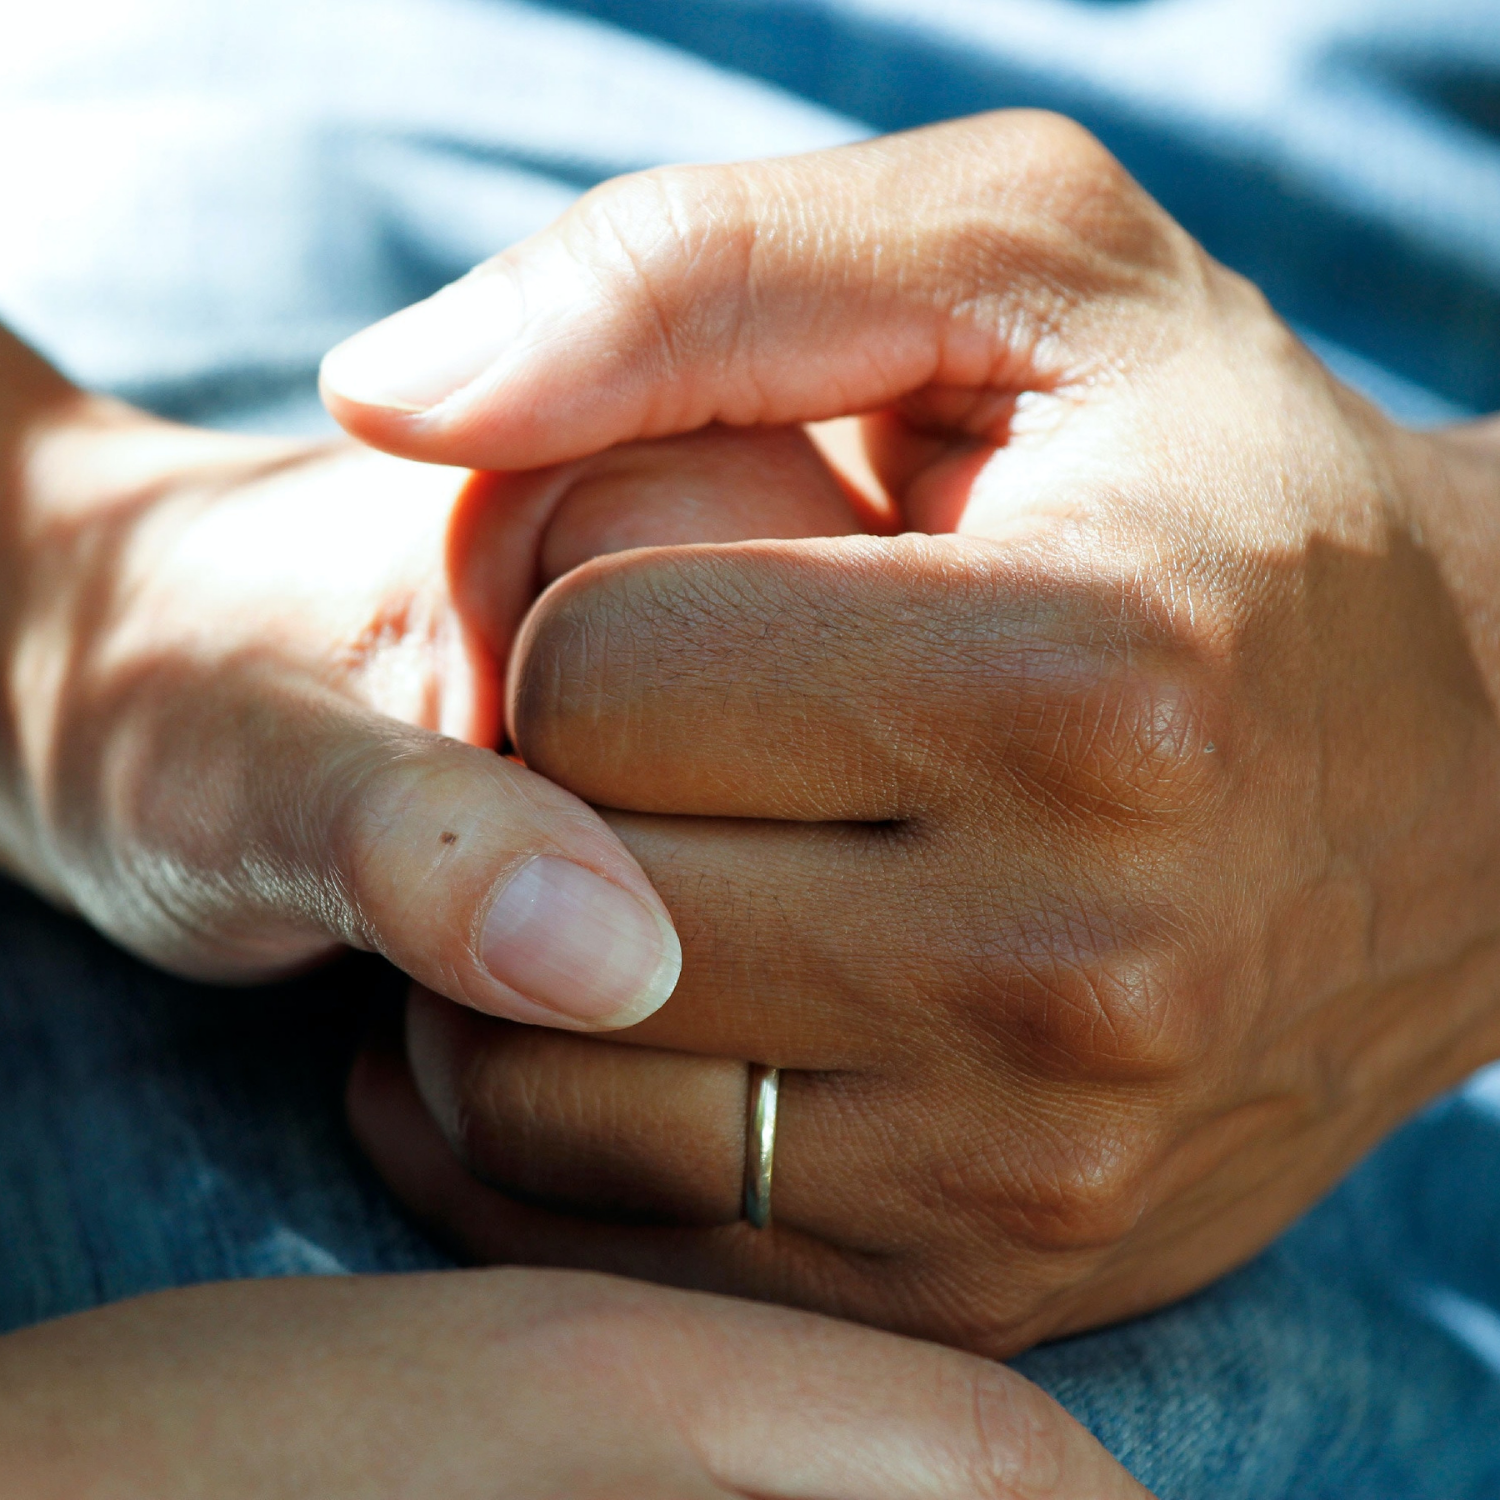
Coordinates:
(580,945)
(424,353)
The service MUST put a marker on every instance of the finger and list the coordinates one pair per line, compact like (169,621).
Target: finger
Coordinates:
(944,1425)
(717,485)
(791,956)
(608,1129)
(778,1264)
(263,818)
(393,1125)
(780,1404)
(857,678)
(512,1384)
(1004,254)
(629,1134)
(979,1295)
(1008,1019)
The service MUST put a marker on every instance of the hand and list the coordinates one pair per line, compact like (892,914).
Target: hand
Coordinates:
(1108,875)
(245,722)
(512,1385)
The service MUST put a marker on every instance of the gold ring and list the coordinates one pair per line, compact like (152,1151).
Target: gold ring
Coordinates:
(760,1142)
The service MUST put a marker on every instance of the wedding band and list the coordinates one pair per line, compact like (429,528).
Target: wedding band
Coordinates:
(760,1142)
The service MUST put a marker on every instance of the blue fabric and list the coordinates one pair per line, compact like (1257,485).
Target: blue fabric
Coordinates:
(200,199)
(1343,154)
(157,1133)
(205,197)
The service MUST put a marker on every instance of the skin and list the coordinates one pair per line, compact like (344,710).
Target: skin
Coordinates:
(493,1385)
(1109,867)
(244,720)
(227,664)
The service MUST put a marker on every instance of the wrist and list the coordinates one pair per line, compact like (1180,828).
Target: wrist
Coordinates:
(75,471)
(38,406)
(1452,479)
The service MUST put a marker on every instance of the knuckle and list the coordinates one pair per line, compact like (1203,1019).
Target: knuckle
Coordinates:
(1128,748)
(663,239)
(468,1127)
(1107,706)
(651,216)
(590,1129)
(634,664)
(1016,1444)
(1062,147)
(1086,1188)
(512,1097)
(1059,1178)
(602,643)
(580,651)
(479,1111)
(451,1050)
(1121,1015)
(633,215)
(1083,188)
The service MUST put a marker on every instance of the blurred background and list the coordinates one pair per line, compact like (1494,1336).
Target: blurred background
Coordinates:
(197,199)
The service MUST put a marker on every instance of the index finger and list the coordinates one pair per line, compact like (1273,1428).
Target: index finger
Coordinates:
(862,678)
(1001,254)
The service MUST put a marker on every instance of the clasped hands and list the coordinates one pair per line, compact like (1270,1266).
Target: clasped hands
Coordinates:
(1108,858)
(1095,816)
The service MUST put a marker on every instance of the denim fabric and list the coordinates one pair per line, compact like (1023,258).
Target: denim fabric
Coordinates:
(200,199)
(156,1133)
(1356,1359)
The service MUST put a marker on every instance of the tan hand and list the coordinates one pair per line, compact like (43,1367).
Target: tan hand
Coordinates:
(1107,876)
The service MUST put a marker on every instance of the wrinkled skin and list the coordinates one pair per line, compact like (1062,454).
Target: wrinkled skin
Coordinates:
(1108,872)
(246,718)
(243,718)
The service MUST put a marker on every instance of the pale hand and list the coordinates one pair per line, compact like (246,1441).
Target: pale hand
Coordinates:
(252,695)
(512,1385)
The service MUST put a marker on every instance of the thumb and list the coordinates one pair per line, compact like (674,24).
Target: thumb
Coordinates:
(254,826)
(997,255)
